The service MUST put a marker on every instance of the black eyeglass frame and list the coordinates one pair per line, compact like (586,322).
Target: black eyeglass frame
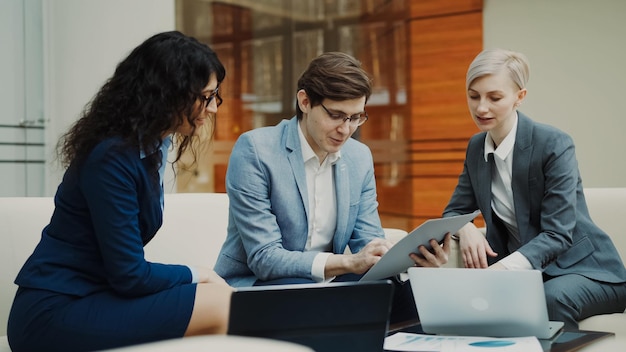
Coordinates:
(207,99)
(360,118)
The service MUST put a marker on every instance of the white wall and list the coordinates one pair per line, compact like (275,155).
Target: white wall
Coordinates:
(578,73)
(83,42)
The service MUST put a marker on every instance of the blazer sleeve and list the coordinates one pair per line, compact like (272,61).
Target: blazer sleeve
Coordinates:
(111,184)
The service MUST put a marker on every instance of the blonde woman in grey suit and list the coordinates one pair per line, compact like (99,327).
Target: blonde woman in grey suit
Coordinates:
(524,177)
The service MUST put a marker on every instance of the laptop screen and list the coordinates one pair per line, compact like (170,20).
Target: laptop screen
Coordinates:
(344,316)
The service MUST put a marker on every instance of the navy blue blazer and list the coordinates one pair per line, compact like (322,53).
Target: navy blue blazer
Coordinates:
(556,231)
(106,209)
(268,227)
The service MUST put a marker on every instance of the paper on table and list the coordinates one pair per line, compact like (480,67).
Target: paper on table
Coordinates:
(482,344)
(435,343)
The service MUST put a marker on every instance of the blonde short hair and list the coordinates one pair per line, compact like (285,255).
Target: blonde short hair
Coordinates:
(493,61)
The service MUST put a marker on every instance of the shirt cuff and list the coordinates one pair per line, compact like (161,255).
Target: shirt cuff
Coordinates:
(319,266)
(516,261)
(194,275)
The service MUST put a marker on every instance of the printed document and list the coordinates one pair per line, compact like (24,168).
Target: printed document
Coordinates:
(438,343)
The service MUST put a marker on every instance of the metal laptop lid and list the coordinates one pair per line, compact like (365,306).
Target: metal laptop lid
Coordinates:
(481,302)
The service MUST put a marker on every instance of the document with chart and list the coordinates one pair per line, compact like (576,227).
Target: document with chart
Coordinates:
(434,343)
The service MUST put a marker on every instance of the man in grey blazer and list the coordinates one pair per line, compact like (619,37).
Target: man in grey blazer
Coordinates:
(302,191)
(524,178)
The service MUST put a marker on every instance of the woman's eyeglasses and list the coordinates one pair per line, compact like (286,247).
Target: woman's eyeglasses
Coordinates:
(207,99)
(340,118)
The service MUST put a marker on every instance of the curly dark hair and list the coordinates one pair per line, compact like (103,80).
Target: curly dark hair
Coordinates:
(150,93)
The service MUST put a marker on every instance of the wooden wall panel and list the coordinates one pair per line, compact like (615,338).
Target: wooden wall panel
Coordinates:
(441,50)
(443,41)
(434,8)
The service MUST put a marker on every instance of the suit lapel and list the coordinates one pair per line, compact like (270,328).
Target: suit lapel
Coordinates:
(292,144)
(342,190)
(521,165)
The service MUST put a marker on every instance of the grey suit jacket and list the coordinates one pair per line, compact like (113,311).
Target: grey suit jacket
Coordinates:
(268,227)
(556,231)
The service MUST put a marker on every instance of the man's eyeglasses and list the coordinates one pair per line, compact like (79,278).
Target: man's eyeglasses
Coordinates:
(340,118)
(207,99)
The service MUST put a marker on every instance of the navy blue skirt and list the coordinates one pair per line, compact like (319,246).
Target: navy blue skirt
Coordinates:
(47,321)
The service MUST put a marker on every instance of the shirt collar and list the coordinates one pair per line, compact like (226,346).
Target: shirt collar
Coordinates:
(308,153)
(505,148)
(165,145)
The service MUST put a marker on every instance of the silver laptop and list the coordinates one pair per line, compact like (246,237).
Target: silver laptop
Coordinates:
(482,302)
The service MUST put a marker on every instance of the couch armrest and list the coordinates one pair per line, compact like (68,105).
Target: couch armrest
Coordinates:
(394,235)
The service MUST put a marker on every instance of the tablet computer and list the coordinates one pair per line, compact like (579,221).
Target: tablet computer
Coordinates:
(397,259)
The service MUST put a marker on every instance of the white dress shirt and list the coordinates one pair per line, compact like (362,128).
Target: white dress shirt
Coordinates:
(502,194)
(322,216)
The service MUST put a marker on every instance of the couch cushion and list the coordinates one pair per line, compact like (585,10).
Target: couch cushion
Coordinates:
(607,322)
(194,228)
(22,220)
(4,344)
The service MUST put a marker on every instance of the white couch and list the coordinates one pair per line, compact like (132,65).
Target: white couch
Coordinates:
(194,228)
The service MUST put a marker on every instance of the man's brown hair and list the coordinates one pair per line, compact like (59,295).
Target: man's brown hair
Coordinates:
(335,76)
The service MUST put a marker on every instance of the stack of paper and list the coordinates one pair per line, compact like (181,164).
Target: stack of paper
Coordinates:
(435,343)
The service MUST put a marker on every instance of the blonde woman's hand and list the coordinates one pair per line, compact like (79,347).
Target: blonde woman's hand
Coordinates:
(437,257)
(474,247)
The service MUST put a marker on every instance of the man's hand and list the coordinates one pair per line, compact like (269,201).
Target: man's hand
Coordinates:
(369,255)
(474,247)
(437,257)
(357,263)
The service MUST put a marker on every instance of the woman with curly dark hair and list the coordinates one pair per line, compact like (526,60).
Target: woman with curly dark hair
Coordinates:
(87,285)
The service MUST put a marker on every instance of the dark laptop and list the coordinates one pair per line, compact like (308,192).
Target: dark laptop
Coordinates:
(343,316)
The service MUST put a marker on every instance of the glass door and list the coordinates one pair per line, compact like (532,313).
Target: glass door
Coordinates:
(22,123)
